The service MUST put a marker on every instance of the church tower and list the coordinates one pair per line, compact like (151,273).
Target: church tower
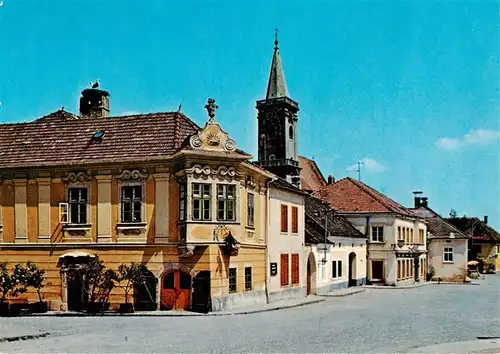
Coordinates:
(277,116)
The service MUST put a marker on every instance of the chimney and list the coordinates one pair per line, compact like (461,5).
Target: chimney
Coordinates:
(424,202)
(417,199)
(486,219)
(331,179)
(94,103)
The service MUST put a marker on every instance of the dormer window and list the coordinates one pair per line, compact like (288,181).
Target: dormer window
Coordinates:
(98,135)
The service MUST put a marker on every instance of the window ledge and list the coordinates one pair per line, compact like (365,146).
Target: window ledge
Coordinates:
(77,227)
(131,225)
(378,242)
(295,234)
(250,227)
(448,262)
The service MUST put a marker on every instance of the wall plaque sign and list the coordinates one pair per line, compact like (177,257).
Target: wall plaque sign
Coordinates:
(274,269)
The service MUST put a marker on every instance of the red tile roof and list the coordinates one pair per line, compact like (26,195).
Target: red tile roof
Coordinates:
(349,195)
(311,178)
(62,139)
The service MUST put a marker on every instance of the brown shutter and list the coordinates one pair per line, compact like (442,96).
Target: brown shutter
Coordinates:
(295,269)
(284,218)
(284,269)
(295,220)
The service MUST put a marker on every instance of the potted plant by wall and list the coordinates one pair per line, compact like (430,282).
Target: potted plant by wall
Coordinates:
(130,275)
(34,279)
(11,285)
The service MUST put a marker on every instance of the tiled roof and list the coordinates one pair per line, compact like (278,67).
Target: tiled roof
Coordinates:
(311,178)
(436,225)
(283,184)
(314,226)
(482,231)
(349,195)
(62,139)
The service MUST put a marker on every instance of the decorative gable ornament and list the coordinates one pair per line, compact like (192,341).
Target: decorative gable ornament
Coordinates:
(212,137)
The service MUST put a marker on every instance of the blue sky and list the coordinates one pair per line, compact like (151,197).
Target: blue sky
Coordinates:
(410,87)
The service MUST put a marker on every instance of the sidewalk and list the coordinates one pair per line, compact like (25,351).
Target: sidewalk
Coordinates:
(344,292)
(273,306)
(418,285)
(473,346)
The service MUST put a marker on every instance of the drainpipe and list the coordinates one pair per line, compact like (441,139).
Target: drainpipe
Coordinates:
(268,220)
(367,234)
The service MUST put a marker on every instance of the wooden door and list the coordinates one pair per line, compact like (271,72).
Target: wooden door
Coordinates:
(176,291)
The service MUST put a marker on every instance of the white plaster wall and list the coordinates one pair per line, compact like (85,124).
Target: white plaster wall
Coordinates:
(436,260)
(285,243)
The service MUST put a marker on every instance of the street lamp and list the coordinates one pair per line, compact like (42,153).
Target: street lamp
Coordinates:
(324,213)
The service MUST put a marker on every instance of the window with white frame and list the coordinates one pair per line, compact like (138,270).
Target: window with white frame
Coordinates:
(250,209)
(182,201)
(202,201)
(226,202)
(377,234)
(77,200)
(131,203)
(448,254)
(336,269)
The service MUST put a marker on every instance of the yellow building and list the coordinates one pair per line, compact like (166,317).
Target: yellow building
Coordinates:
(154,189)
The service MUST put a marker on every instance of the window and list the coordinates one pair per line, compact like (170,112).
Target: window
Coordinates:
(337,269)
(232,280)
(400,236)
(377,234)
(131,204)
(284,218)
(182,201)
(295,269)
(448,254)
(202,200)
(421,236)
(290,132)
(250,209)
(295,220)
(334,269)
(411,236)
(399,269)
(248,278)
(77,200)
(407,262)
(284,269)
(226,202)
(403,269)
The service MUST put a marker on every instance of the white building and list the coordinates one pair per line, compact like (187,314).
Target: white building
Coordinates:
(396,237)
(286,262)
(342,263)
(448,246)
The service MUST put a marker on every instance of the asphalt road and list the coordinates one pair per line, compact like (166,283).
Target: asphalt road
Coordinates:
(377,320)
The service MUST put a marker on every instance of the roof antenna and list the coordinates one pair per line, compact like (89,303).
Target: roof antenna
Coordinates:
(358,169)
(179,109)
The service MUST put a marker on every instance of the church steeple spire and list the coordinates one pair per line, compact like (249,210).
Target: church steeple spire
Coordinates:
(278,123)
(277,85)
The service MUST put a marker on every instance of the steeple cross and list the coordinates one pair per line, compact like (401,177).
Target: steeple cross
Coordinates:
(211,107)
(276,38)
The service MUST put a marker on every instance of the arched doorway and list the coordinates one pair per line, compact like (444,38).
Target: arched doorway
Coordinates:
(175,291)
(145,294)
(352,269)
(311,274)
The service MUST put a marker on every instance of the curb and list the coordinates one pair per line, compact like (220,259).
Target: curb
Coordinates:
(344,294)
(172,314)
(472,346)
(25,337)
(397,287)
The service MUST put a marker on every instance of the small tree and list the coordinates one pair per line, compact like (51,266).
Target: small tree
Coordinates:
(12,284)
(132,274)
(453,213)
(35,278)
(97,282)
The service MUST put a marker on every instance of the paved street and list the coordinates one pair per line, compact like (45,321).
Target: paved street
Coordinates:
(376,320)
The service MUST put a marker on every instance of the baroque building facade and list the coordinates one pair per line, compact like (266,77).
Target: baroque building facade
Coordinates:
(154,189)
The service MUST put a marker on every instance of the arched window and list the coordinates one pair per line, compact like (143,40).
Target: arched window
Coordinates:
(290,132)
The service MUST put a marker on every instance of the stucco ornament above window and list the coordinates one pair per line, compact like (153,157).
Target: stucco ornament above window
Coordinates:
(207,171)
(77,177)
(212,137)
(133,175)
